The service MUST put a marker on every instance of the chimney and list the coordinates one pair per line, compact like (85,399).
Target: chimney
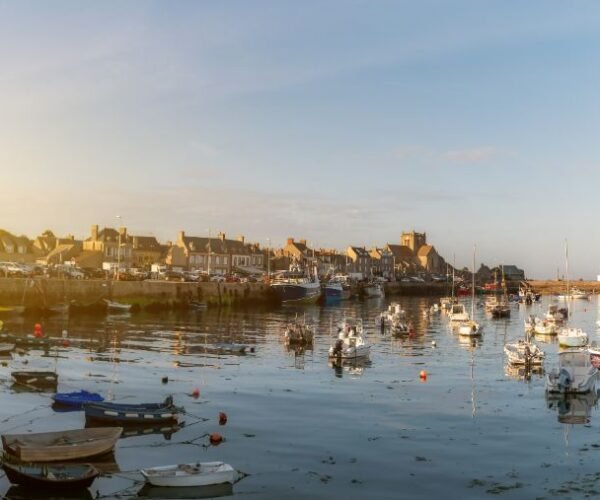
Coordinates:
(241,238)
(180,236)
(95,232)
(290,241)
(221,236)
(135,242)
(303,242)
(123,232)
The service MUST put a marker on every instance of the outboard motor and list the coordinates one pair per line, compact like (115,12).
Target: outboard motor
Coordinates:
(564,380)
(337,349)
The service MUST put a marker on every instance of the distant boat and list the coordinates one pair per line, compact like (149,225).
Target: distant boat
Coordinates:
(198,306)
(12,309)
(572,337)
(65,477)
(297,287)
(299,333)
(374,290)
(62,445)
(117,307)
(350,343)
(194,474)
(333,291)
(144,413)
(35,378)
(524,352)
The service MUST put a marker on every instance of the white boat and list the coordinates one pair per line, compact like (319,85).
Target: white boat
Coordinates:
(398,326)
(117,306)
(470,328)
(575,373)
(393,314)
(374,290)
(524,352)
(194,474)
(572,337)
(530,323)
(574,294)
(299,333)
(350,343)
(545,327)
(458,313)
(446,303)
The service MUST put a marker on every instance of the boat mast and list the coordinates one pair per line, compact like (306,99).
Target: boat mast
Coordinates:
(473,285)
(567,265)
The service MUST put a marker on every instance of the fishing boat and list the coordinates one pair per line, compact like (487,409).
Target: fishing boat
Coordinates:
(393,314)
(572,337)
(333,291)
(524,352)
(297,287)
(76,399)
(35,378)
(194,474)
(117,307)
(60,446)
(575,373)
(51,477)
(350,343)
(146,413)
(374,290)
(299,333)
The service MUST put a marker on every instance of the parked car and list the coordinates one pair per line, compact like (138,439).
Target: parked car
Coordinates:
(217,278)
(173,276)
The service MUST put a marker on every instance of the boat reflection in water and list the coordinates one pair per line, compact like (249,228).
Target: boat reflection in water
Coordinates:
(21,493)
(520,372)
(211,491)
(573,408)
(353,367)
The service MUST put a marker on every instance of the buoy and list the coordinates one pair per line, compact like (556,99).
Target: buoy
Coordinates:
(423,375)
(196,393)
(164,380)
(222,418)
(215,438)
(65,343)
(65,334)
(37,331)
(433,344)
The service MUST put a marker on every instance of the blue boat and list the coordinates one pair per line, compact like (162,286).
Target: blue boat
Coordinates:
(144,413)
(76,399)
(296,287)
(333,291)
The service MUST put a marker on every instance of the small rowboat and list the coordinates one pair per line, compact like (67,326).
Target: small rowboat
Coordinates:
(35,378)
(117,307)
(76,399)
(145,413)
(51,477)
(6,347)
(62,445)
(195,474)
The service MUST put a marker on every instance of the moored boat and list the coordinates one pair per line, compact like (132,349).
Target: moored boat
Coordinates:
(469,328)
(296,287)
(35,378)
(524,352)
(144,413)
(61,445)
(77,399)
(51,477)
(572,337)
(194,474)
(350,343)
(575,373)
(117,307)
(299,333)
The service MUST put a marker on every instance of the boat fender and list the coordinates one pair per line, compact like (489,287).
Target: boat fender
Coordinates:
(564,380)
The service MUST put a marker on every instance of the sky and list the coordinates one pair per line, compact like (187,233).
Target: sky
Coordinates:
(341,122)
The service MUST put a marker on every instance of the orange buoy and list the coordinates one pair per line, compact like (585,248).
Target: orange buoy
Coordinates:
(37,331)
(215,438)
(196,393)
(423,375)
(222,418)
(65,343)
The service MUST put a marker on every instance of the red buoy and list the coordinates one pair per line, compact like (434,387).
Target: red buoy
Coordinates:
(196,393)
(423,375)
(215,438)
(65,343)
(222,418)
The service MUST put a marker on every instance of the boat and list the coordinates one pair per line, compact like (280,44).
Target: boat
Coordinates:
(470,328)
(497,307)
(198,306)
(231,348)
(575,373)
(51,477)
(35,378)
(62,309)
(458,314)
(299,333)
(12,309)
(527,295)
(572,337)
(393,316)
(524,352)
(333,291)
(545,327)
(60,446)
(117,307)
(296,287)
(194,474)
(350,343)
(124,413)
(6,347)
(594,352)
(76,399)
(374,290)
(556,314)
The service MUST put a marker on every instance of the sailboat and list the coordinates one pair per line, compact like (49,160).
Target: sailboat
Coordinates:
(498,307)
(575,293)
(471,328)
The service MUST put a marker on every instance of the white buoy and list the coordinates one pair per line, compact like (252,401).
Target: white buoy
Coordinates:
(433,344)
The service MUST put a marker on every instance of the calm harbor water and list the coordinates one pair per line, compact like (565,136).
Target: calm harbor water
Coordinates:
(303,429)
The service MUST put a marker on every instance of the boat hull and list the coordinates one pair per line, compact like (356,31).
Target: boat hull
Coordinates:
(297,293)
(199,474)
(122,414)
(55,478)
(61,446)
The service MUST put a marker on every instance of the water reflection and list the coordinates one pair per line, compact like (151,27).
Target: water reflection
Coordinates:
(573,408)
(20,493)
(184,492)
(352,367)
(520,372)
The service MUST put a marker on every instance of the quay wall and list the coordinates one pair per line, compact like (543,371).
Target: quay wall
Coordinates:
(44,292)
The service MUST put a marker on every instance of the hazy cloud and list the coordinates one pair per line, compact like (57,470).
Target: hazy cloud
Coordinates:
(471,156)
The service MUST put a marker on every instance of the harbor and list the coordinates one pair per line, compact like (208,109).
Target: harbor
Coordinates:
(301,424)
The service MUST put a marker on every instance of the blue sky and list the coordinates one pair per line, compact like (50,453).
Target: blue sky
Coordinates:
(342,122)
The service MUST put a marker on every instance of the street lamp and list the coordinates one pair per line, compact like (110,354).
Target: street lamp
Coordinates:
(268,260)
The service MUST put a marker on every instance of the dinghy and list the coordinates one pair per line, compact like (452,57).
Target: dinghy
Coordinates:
(35,378)
(51,477)
(76,399)
(144,413)
(62,445)
(194,474)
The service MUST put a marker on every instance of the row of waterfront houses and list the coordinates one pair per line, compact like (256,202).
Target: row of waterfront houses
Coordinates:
(219,254)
